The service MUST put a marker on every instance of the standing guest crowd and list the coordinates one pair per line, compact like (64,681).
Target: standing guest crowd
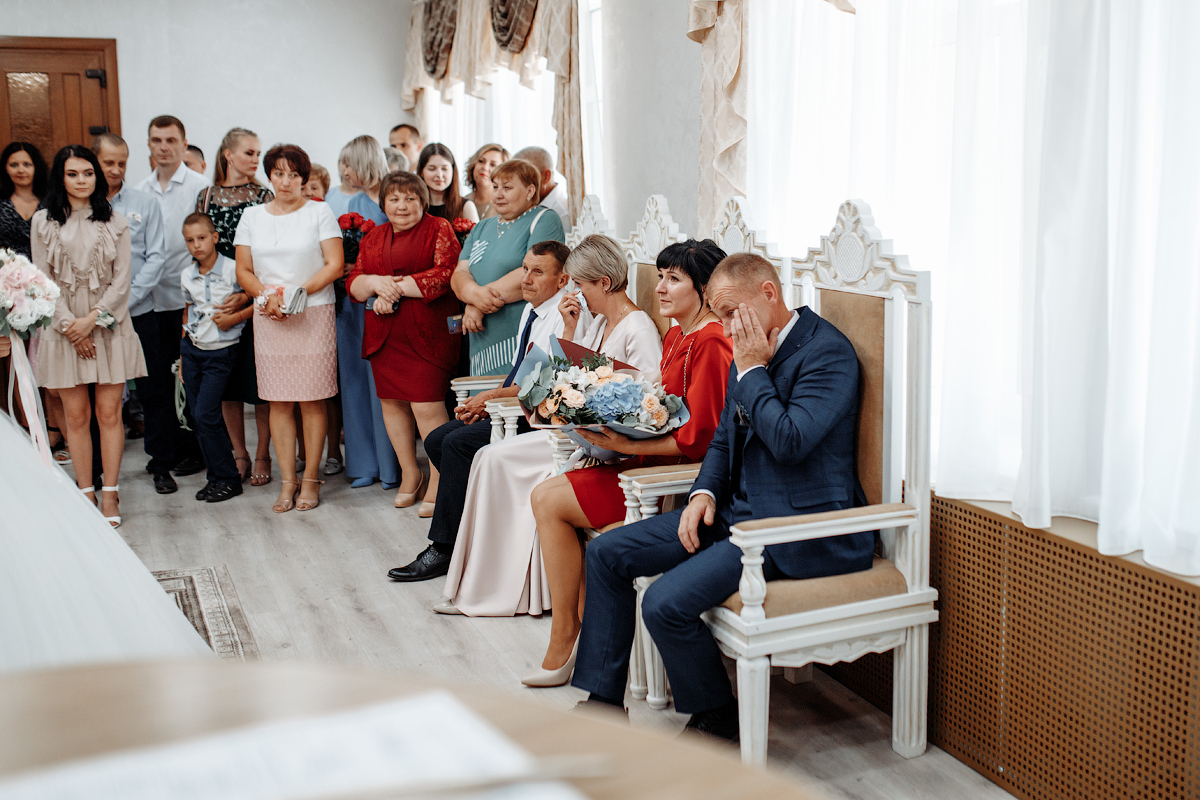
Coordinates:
(342,311)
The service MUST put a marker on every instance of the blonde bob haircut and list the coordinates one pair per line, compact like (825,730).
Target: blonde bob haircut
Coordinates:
(523,171)
(364,155)
(598,257)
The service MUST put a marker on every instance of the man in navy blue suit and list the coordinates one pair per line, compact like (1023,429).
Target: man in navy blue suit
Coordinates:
(784,446)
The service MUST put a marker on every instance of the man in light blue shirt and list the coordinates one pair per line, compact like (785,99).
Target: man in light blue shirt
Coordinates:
(146,242)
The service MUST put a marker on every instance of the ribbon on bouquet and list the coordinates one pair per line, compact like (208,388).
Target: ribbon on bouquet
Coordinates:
(21,377)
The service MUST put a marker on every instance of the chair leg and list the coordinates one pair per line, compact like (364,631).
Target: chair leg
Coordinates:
(798,674)
(910,693)
(754,700)
(637,659)
(655,672)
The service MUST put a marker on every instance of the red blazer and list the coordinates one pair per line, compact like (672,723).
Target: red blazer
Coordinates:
(429,253)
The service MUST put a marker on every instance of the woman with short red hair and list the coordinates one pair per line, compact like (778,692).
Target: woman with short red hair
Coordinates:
(289,252)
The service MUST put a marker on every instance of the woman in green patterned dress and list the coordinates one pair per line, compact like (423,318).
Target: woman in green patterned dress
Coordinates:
(488,278)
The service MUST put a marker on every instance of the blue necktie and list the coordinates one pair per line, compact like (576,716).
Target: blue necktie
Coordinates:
(524,343)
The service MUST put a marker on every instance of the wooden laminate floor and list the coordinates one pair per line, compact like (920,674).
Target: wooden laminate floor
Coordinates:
(313,587)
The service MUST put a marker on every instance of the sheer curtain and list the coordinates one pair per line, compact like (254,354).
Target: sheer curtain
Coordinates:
(1040,160)
(508,113)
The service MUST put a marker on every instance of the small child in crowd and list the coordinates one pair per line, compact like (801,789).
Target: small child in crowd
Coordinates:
(207,352)
(318,183)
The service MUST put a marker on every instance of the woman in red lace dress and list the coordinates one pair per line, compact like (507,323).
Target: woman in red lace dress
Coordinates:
(695,366)
(404,270)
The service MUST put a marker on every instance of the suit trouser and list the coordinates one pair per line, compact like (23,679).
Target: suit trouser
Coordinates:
(165,441)
(205,375)
(451,448)
(671,609)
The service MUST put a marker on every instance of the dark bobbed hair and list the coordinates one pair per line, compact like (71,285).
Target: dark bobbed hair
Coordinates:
(294,155)
(399,182)
(555,249)
(451,197)
(58,202)
(696,259)
(40,172)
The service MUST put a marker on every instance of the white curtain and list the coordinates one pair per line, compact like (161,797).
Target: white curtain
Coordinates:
(1040,160)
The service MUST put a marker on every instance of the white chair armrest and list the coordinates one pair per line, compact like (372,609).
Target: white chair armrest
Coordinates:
(464,387)
(662,481)
(777,530)
(505,413)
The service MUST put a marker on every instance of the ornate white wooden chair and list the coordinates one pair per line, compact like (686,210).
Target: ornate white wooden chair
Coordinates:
(854,282)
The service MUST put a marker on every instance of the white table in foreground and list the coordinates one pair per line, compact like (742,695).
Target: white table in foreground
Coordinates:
(84,711)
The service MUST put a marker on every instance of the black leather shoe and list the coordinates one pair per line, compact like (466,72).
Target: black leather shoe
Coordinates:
(164,483)
(203,494)
(224,491)
(430,564)
(189,466)
(720,723)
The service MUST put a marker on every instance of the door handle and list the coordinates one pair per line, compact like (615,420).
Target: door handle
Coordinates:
(96,130)
(100,75)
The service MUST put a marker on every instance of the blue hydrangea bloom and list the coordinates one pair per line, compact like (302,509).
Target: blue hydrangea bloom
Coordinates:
(616,399)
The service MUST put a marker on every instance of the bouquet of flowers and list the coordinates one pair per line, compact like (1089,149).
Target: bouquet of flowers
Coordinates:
(592,391)
(354,227)
(27,296)
(462,226)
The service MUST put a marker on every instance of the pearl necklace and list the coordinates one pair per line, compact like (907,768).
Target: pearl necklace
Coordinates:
(503,226)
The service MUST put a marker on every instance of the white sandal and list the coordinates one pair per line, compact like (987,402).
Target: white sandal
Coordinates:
(114,521)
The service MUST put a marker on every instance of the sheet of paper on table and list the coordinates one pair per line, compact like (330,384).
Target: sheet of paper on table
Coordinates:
(425,739)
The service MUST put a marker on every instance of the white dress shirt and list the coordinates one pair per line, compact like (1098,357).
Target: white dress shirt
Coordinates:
(558,202)
(176,202)
(549,323)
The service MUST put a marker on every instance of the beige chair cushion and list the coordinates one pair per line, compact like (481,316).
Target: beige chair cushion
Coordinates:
(792,597)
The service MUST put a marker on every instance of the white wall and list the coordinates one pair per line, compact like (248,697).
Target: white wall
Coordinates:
(310,72)
(651,110)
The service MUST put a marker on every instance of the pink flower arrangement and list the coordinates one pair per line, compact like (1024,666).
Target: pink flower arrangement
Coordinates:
(27,296)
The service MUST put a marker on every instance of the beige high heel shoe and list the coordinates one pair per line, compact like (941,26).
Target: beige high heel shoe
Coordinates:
(287,505)
(406,499)
(303,504)
(553,677)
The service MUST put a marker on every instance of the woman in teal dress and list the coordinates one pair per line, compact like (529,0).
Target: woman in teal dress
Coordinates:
(488,278)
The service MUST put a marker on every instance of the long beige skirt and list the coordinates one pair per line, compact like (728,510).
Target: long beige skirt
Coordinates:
(496,569)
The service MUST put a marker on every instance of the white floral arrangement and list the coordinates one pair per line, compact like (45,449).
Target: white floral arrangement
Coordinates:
(27,296)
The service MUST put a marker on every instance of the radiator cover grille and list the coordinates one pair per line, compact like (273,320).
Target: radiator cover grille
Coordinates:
(1058,673)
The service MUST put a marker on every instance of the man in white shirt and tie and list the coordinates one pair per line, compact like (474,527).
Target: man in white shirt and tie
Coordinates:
(175,187)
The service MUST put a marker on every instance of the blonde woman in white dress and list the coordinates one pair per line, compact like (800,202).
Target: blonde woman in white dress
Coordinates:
(496,569)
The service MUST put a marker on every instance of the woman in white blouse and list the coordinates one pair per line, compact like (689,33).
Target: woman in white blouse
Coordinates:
(496,569)
(289,249)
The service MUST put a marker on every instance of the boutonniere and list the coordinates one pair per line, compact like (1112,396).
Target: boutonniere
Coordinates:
(134,216)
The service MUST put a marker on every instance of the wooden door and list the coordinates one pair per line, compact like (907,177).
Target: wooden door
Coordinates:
(55,92)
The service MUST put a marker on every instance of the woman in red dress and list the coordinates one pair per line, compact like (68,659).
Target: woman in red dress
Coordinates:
(407,264)
(695,366)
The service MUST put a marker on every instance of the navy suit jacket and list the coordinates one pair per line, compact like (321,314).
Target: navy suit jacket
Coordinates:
(794,422)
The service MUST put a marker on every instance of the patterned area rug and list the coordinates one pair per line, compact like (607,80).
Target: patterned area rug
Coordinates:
(207,598)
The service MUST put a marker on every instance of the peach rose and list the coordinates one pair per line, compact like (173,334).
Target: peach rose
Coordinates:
(548,407)
(650,402)
(660,416)
(604,372)
(574,398)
